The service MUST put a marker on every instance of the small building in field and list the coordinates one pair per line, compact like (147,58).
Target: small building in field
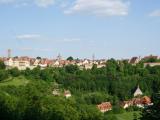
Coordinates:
(56,92)
(140,102)
(134,60)
(126,104)
(104,107)
(152,64)
(67,94)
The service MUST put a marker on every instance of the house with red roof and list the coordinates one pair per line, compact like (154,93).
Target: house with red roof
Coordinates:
(67,94)
(104,107)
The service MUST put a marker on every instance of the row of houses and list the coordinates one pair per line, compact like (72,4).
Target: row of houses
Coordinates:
(139,100)
(25,62)
(136,60)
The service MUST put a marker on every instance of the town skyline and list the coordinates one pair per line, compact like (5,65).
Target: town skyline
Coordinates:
(9,53)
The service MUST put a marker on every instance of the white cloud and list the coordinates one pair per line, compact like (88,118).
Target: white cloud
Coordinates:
(26,49)
(43,49)
(155,13)
(100,7)
(44,3)
(35,49)
(6,1)
(39,3)
(71,40)
(28,36)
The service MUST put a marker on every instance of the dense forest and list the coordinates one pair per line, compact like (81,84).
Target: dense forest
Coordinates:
(31,97)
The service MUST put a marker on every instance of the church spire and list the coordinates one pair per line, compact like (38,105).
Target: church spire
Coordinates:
(138,92)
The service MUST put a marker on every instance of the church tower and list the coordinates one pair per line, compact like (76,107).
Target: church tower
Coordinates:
(9,53)
(93,58)
(138,92)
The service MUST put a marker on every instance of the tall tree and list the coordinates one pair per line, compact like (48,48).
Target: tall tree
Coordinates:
(2,65)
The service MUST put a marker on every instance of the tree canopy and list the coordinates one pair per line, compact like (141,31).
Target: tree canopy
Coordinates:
(115,82)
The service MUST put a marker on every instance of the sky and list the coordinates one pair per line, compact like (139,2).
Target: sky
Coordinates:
(80,28)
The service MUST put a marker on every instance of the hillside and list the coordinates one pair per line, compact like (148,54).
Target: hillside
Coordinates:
(69,93)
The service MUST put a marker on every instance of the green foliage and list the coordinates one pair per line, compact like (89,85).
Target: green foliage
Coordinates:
(3,75)
(150,60)
(27,95)
(128,116)
(152,112)
(89,112)
(2,65)
(47,75)
(118,110)
(133,108)
(38,58)
(70,58)
(71,69)
(14,72)
(110,117)
(95,98)
(135,116)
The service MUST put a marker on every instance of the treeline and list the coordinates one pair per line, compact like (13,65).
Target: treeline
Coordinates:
(115,82)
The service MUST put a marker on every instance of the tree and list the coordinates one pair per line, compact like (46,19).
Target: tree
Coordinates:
(111,66)
(135,116)
(33,109)
(14,72)
(89,112)
(152,112)
(39,58)
(7,107)
(71,69)
(46,75)
(3,75)
(2,65)
(36,72)
(70,58)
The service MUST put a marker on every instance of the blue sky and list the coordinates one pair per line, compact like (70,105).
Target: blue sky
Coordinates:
(79,28)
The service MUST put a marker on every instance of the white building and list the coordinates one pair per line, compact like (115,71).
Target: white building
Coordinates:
(138,92)
(67,94)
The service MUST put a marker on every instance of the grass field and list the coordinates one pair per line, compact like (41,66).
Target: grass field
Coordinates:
(128,116)
(15,81)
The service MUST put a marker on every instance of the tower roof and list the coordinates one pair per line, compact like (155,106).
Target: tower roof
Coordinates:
(138,92)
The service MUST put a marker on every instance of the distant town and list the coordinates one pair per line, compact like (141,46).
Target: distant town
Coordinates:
(24,62)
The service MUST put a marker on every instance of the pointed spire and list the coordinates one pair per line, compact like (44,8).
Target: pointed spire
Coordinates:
(59,57)
(93,58)
(138,91)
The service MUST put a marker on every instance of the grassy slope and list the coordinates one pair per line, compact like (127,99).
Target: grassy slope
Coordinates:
(127,116)
(15,81)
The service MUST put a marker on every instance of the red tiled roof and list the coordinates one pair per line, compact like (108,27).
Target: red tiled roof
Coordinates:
(66,92)
(146,100)
(133,60)
(105,106)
